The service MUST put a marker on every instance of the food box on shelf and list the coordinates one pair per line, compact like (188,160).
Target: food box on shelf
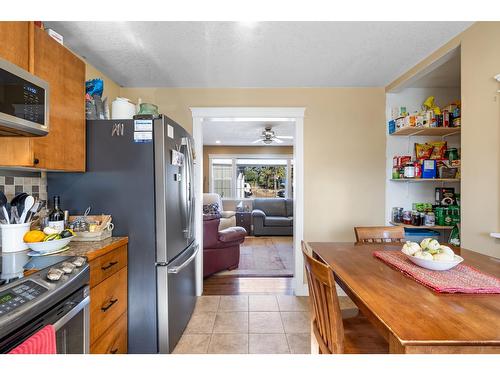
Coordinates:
(392,126)
(429,168)
(445,196)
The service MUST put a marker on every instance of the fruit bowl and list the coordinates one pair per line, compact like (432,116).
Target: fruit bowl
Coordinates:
(48,246)
(436,265)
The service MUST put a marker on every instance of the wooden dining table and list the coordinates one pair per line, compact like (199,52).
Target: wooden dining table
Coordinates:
(411,317)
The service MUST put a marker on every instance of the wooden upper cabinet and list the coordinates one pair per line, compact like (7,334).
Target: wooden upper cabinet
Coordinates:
(63,148)
(14,43)
(15,48)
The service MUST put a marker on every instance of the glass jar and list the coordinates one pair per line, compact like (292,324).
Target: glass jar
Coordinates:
(430,219)
(407,217)
(409,171)
(397,214)
(415,218)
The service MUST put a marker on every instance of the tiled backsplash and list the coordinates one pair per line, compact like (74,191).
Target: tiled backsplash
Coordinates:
(14,183)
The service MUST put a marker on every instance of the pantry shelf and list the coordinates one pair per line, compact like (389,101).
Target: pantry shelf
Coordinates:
(425,179)
(438,132)
(421,226)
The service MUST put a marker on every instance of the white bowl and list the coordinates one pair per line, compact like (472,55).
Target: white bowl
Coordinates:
(436,265)
(49,246)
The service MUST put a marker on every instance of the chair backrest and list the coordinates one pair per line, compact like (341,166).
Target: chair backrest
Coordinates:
(377,235)
(326,314)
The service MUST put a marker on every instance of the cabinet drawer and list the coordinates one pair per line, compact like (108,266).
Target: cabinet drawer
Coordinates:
(104,266)
(108,301)
(114,339)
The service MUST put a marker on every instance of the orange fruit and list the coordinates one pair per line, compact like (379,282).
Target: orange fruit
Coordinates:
(34,236)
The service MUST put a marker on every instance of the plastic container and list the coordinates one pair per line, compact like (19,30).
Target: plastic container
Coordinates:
(417,235)
(122,109)
(12,237)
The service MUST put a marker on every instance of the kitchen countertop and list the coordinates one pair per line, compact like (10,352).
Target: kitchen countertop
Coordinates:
(94,249)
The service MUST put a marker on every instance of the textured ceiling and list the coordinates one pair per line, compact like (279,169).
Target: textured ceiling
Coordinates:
(260,54)
(243,133)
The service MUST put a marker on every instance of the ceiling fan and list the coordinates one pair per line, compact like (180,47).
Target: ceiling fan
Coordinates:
(268,137)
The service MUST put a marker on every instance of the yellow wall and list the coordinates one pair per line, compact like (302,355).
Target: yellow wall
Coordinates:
(111,89)
(481,137)
(239,150)
(344,146)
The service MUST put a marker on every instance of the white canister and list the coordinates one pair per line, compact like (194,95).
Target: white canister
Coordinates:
(122,109)
(12,237)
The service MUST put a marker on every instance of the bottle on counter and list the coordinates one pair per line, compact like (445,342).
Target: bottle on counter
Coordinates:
(66,218)
(56,216)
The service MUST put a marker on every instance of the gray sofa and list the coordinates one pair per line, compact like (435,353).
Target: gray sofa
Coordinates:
(272,217)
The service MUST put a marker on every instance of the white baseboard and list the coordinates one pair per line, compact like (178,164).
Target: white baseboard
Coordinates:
(301,290)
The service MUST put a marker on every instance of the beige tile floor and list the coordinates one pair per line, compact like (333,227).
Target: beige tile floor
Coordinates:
(251,324)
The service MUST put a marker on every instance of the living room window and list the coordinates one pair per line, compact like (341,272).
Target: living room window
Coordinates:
(251,176)
(222,177)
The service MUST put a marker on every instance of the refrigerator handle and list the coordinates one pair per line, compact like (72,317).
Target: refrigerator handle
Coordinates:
(178,269)
(189,186)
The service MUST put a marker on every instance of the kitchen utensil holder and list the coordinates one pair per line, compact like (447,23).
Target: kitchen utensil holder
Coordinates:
(12,237)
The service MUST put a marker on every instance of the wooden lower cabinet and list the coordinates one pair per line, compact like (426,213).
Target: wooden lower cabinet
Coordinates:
(108,303)
(107,265)
(113,340)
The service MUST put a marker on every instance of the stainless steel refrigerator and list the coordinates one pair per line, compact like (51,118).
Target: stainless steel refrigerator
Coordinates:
(141,172)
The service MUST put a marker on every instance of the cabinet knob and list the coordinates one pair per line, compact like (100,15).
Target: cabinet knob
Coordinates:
(36,161)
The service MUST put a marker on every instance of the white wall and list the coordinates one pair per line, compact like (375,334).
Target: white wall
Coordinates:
(402,194)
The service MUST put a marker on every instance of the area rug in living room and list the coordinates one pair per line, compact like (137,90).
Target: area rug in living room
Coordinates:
(264,257)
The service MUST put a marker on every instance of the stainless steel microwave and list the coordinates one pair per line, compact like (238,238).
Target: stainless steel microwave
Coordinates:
(24,102)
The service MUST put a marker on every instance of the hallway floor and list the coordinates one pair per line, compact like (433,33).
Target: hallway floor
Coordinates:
(249,324)
(254,324)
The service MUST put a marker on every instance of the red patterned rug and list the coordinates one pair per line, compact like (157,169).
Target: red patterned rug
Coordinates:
(460,279)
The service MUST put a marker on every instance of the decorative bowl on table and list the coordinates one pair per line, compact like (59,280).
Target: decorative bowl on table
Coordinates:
(430,254)
(49,246)
(436,265)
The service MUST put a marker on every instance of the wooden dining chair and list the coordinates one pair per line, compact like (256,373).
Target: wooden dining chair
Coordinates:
(377,235)
(334,334)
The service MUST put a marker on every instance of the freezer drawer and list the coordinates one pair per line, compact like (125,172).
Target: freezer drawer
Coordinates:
(176,298)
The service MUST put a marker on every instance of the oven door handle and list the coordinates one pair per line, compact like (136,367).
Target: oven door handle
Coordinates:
(72,313)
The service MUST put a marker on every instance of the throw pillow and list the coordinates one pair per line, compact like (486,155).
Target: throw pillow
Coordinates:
(211,209)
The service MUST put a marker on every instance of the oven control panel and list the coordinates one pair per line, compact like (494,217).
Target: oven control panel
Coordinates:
(17,296)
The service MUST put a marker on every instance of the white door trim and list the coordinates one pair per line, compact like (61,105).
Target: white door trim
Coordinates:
(296,114)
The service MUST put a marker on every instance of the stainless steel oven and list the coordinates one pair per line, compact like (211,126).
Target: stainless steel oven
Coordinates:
(31,303)
(24,102)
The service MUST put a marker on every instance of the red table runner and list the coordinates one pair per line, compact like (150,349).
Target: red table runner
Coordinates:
(460,279)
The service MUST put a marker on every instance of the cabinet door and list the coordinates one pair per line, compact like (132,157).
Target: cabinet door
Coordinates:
(64,147)
(114,339)
(14,43)
(14,47)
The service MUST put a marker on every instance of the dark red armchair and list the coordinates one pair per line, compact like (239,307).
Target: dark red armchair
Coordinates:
(221,249)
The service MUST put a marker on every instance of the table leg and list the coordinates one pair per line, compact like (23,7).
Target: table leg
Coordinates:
(395,346)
